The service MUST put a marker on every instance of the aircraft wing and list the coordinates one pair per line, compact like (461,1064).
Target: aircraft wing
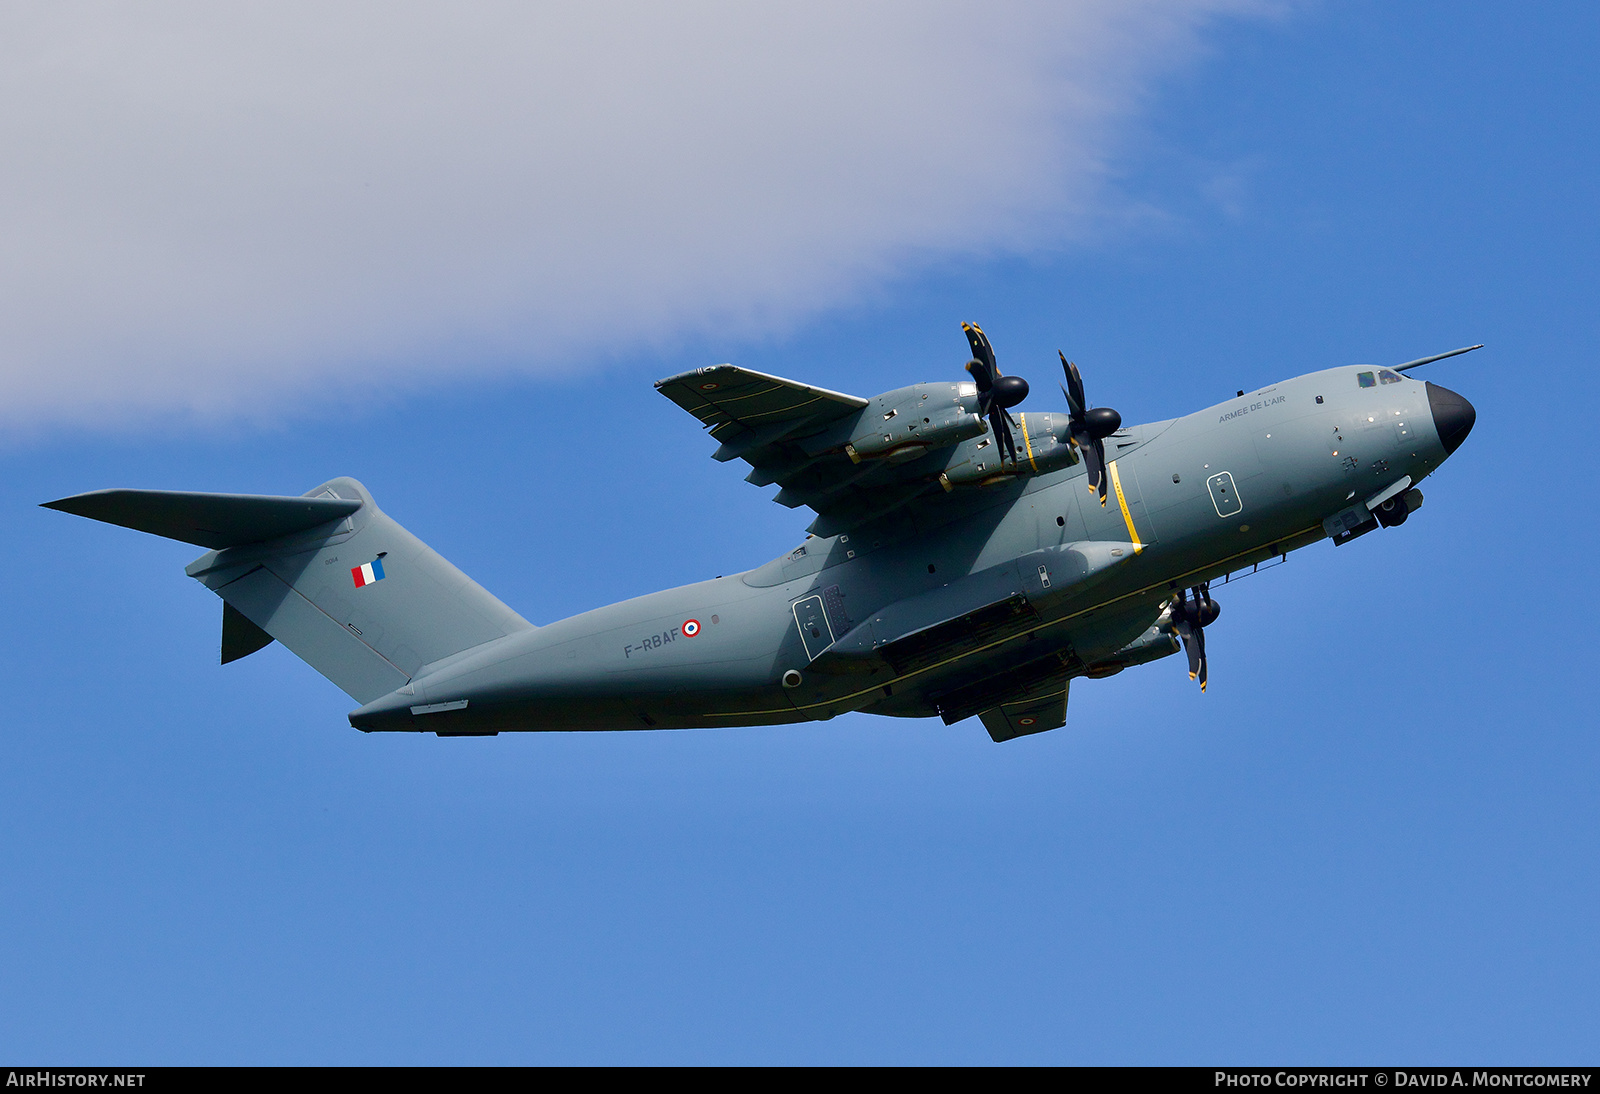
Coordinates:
(751,413)
(790,434)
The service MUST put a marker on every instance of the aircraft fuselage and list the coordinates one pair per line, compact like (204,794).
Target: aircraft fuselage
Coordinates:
(1192,498)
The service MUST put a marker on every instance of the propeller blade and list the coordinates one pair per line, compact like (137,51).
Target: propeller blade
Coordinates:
(980,376)
(1087,433)
(995,392)
(1094,462)
(1074,389)
(1190,647)
(1190,619)
(1180,623)
(982,351)
(1000,421)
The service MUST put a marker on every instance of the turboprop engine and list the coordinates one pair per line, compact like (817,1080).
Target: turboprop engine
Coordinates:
(1046,444)
(901,425)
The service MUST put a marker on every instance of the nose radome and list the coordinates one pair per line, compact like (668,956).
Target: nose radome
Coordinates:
(1453,416)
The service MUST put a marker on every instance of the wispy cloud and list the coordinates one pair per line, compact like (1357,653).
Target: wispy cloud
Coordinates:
(222,210)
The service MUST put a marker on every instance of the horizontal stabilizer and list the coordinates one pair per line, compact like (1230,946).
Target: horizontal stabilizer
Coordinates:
(209,520)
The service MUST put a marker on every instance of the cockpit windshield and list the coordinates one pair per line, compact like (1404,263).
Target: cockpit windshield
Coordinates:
(1389,376)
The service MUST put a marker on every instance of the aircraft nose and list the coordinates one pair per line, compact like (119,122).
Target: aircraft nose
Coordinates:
(1453,416)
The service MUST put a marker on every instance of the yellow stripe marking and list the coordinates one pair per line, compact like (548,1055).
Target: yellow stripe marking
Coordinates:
(1023,419)
(1127,517)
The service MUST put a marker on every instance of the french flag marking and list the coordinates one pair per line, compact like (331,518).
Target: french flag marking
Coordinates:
(366,575)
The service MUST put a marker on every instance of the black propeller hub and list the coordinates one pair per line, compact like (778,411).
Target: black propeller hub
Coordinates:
(1200,612)
(1010,390)
(1102,421)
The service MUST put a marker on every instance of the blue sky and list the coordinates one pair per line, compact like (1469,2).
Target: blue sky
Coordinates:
(1371,841)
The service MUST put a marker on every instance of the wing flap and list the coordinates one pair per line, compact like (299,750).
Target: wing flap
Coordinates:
(1033,714)
(1029,682)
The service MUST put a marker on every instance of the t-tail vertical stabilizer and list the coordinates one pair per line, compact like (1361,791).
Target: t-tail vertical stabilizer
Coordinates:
(328,574)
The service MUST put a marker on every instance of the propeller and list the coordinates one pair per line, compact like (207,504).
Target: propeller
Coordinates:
(996,393)
(1191,618)
(1090,428)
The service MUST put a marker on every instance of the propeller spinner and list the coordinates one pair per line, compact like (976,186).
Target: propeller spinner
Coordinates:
(996,393)
(1191,618)
(1090,428)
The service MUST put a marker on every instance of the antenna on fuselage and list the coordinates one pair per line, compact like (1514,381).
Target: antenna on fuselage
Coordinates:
(1436,357)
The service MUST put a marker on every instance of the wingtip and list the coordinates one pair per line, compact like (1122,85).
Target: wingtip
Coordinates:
(73,503)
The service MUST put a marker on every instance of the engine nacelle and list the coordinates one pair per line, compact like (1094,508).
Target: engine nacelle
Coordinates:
(1158,641)
(1042,445)
(902,425)
(1043,442)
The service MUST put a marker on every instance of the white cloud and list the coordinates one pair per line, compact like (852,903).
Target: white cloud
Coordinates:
(230,209)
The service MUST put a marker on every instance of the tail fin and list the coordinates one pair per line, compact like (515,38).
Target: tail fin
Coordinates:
(330,575)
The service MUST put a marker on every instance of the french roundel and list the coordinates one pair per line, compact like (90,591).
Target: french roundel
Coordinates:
(691,627)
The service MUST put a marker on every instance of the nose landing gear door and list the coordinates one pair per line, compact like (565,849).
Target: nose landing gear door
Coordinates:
(1224,495)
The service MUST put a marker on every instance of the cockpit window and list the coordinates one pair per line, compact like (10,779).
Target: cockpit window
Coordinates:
(1366,379)
(1389,376)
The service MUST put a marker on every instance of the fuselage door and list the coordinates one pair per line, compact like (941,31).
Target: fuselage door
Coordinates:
(1224,495)
(815,633)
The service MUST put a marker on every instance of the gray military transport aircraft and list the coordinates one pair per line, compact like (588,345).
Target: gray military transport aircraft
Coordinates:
(962,562)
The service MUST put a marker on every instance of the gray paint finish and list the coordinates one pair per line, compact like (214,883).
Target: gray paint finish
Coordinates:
(915,596)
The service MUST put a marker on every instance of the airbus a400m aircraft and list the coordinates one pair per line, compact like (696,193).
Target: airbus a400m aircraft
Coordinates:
(962,561)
